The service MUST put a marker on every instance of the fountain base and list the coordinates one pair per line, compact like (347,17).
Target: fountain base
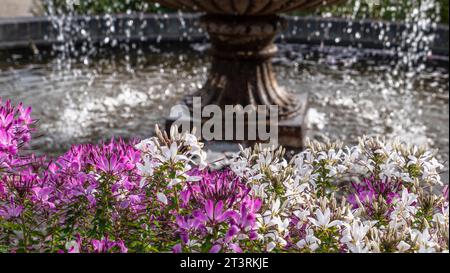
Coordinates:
(241,73)
(290,132)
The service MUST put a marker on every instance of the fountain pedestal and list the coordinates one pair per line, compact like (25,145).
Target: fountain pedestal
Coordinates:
(242,34)
(241,72)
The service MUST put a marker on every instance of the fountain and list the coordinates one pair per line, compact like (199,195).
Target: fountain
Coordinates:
(242,35)
(93,77)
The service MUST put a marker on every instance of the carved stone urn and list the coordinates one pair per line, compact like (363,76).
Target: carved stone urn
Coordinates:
(242,34)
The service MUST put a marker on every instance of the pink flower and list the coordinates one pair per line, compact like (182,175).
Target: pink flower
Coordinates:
(177,248)
(42,194)
(15,128)
(370,189)
(216,213)
(231,232)
(11,210)
(235,247)
(215,249)
(105,246)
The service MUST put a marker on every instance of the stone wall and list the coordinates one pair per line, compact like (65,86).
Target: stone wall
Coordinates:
(39,32)
(16,8)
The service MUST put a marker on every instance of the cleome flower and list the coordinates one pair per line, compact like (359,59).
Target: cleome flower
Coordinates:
(161,195)
(323,219)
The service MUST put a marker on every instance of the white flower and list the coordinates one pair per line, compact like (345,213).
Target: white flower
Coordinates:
(264,221)
(148,146)
(302,214)
(239,167)
(148,167)
(423,240)
(73,247)
(174,182)
(259,169)
(264,160)
(403,247)
(356,232)
(162,198)
(310,241)
(270,246)
(389,169)
(357,248)
(322,219)
(169,154)
(274,240)
(282,225)
(404,207)
(193,178)
(268,215)
(353,236)
(192,141)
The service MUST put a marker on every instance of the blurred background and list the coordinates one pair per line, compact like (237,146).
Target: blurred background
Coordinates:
(374,9)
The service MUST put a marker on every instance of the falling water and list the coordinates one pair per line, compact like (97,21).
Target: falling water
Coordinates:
(411,54)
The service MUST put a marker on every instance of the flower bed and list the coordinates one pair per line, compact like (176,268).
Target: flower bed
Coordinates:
(160,195)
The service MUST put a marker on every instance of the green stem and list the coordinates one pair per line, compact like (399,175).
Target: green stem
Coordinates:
(25,233)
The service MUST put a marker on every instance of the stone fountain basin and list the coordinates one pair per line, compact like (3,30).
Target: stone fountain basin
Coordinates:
(245,7)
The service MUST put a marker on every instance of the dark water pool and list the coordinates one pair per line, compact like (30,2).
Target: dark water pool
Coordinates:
(127,94)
